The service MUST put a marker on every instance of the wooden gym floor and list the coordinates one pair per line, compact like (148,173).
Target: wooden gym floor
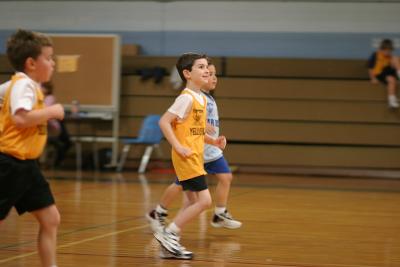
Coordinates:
(287,221)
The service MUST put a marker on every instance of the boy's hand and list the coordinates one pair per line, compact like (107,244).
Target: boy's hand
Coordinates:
(56,111)
(374,81)
(184,151)
(210,130)
(220,142)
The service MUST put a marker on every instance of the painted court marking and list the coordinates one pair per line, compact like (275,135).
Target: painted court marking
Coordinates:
(77,242)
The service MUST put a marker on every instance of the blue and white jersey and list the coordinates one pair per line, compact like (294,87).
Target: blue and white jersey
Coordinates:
(212,153)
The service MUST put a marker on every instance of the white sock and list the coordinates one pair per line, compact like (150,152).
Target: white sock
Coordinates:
(220,210)
(160,209)
(172,227)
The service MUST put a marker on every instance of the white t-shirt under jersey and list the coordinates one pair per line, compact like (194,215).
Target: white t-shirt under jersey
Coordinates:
(183,103)
(23,94)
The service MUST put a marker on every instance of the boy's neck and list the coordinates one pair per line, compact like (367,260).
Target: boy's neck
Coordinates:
(194,87)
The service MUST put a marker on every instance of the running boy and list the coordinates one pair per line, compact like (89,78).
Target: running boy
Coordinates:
(215,163)
(183,126)
(23,134)
(384,67)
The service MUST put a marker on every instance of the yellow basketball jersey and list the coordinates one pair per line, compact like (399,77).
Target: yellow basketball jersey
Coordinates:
(21,143)
(190,133)
(382,61)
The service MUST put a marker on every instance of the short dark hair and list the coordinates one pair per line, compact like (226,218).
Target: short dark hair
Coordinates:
(24,44)
(386,44)
(186,61)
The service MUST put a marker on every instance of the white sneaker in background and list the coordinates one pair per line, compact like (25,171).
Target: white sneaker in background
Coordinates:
(225,220)
(393,102)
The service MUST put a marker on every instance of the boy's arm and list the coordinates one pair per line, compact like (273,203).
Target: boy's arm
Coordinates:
(372,77)
(219,142)
(24,118)
(371,64)
(166,127)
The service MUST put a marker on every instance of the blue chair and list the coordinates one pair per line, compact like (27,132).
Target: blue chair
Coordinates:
(150,135)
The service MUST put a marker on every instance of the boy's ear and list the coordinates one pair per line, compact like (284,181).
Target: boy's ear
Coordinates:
(186,73)
(30,63)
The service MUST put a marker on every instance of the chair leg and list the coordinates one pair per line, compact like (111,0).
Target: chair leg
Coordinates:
(159,151)
(145,158)
(124,156)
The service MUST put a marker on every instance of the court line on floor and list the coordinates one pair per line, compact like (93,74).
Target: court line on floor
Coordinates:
(86,239)
(77,242)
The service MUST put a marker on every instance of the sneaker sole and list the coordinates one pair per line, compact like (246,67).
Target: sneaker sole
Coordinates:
(165,254)
(217,225)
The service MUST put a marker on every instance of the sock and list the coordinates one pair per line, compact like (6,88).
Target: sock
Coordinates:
(172,227)
(160,209)
(220,210)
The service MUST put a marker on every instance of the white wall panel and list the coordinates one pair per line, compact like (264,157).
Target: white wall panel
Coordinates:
(240,16)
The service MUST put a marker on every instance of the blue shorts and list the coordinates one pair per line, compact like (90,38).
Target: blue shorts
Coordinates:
(214,167)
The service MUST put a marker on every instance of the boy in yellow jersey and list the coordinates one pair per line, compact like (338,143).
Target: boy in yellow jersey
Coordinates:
(23,134)
(214,163)
(184,126)
(384,67)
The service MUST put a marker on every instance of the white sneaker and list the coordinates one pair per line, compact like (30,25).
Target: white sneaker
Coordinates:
(185,255)
(157,220)
(393,102)
(225,220)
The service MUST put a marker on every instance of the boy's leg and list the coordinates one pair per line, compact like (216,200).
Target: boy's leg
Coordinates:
(169,239)
(158,216)
(49,219)
(223,173)
(202,203)
(391,87)
(222,218)
(223,188)
(170,194)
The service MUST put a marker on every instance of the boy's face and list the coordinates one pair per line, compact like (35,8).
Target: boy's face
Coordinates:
(212,80)
(387,52)
(199,74)
(43,66)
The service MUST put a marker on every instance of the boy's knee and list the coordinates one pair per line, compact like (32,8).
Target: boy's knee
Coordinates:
(391,80)
(227,178)
(52,221)
(205,202)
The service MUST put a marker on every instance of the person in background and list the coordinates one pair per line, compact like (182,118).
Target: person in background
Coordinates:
(384,67)
(58,135)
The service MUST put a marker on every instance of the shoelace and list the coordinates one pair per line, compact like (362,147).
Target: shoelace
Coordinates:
(161,218)
(177,238)
(227,215)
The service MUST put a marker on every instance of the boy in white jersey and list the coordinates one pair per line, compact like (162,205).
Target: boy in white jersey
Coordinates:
(23,134)
(215,163)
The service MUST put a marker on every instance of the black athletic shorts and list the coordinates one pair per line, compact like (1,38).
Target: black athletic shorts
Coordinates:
(22,186)
(388,71)
(195,184)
